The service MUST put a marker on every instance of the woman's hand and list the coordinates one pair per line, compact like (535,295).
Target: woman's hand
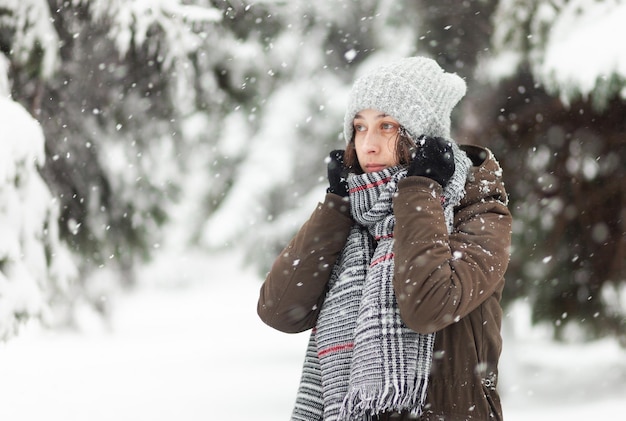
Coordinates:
(433,159)
(337,174)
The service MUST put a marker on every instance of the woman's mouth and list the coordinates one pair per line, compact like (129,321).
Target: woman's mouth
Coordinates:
(374,167)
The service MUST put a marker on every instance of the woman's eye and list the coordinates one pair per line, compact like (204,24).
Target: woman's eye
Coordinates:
(388,126)
(359,128)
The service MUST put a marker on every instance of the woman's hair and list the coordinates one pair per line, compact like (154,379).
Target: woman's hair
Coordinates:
(405,147)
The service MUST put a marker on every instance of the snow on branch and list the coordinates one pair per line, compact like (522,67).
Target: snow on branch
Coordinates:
(583,53)
(571,47)
(133,20)
(33,30)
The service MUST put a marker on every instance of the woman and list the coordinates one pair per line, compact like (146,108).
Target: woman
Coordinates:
(400,271)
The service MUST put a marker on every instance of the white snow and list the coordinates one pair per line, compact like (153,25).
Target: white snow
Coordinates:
(576,59)
(187,345)
(575,46)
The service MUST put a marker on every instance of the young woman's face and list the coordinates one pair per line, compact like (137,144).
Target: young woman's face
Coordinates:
(375,140)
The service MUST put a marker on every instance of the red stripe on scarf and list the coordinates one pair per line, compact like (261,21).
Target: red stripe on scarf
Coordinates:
(336,348)
(370,185)
(383,237)
(388,256)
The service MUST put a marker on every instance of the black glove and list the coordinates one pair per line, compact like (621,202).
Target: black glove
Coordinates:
(337,174)
(433,159)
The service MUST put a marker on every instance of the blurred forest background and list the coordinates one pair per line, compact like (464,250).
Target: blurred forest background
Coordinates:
(204,125)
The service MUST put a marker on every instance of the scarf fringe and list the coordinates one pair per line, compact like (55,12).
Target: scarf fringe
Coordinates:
(365,401)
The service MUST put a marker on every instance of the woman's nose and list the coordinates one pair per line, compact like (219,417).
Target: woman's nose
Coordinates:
(370,142)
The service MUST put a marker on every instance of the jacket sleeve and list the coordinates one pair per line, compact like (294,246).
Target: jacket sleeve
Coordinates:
(439,277)
(294,289)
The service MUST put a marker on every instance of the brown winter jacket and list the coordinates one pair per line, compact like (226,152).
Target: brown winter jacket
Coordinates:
(450,284)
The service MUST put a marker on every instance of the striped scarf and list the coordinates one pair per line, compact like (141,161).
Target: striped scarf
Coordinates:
(362,359)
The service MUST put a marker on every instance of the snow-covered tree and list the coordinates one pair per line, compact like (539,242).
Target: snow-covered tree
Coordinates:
(553,111)
(35,266)
(110,83)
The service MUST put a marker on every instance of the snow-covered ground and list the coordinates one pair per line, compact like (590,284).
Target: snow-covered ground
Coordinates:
(187,345)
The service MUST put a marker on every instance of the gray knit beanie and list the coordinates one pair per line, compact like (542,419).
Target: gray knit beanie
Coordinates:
(415,91)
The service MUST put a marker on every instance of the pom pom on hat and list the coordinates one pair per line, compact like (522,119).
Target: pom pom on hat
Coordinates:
(415,91)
